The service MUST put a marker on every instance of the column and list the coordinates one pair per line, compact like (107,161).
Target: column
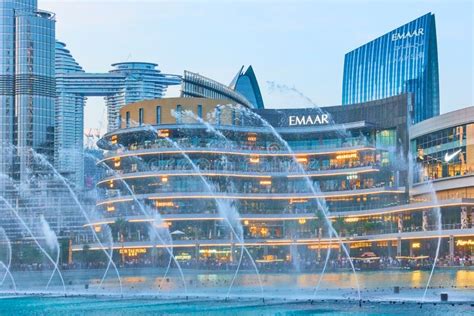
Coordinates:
(464,221)
(451,250)
(320,235)
(196,253)
(472,217)
(400,223)
(399,246)
(425,221)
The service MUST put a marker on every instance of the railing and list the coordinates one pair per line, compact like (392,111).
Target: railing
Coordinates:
(217,145)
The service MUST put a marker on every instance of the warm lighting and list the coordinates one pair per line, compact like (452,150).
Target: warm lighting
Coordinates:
(465,242)
(254,159)
(114,140)
(164,204)
(111,184)
(268,259)
(293,201)
(266,182)
(246,222)
(351,220)
(302,159)
(415,245)
(346,156)
(117,162)
(163,133)
(132,252)
(252,137)
(183,257)
(97,229)
(302,221)
(110,208)
(164,179)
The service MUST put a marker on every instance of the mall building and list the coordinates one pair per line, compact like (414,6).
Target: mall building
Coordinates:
(285,171)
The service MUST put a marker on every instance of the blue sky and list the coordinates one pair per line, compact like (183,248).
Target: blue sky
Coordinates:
(295,43)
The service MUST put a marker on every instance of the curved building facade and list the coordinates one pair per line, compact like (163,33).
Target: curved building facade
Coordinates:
(243,89)
(404,60)
(352,163)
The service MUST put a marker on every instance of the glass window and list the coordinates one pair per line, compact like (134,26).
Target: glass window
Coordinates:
(199,110)
(178,113)
(158,114)
(127,119)
(140,116)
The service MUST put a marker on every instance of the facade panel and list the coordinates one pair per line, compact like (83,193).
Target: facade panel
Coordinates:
(404,60)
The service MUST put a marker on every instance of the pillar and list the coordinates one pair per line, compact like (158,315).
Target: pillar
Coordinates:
(472,217)
(399,246)
(69,253)
(320,235)
(425,221)
(451,250)
(400,223)
(464,221)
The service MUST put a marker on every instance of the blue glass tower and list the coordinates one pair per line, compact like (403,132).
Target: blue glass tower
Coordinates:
(403,60)
(27,85)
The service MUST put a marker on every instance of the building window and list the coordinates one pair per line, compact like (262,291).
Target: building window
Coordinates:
(158,114)
(140,116)
(179,110)
(127,119)
(199,111)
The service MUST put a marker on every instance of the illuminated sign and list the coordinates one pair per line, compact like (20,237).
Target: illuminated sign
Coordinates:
(449,157)
(402,36)
(346,156)
(295,120)
(132,252)
(465,242)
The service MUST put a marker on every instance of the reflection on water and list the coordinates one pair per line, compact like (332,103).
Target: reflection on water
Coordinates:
(464,278)
(152,280)
(416,279)
(369,280)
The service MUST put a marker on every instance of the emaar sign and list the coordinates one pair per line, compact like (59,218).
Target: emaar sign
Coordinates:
(298,120)
(402,36)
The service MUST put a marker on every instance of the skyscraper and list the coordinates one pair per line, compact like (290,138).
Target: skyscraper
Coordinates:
(403,60)
(127,82)
(27,84)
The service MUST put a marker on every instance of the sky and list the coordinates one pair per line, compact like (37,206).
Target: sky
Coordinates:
(293,43)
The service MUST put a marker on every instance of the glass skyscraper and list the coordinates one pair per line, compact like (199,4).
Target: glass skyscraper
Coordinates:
(403,60)
(27,84)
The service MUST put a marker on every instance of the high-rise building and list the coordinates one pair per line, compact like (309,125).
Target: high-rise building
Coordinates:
(243,89)
(27,85)
(403,60)
(127,82)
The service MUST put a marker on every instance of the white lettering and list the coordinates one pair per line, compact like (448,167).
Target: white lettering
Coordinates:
(402,36)
(308,120)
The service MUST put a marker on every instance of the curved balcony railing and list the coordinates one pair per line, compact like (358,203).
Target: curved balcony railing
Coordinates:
(244,171)
(163,146)
(249,195)
(301,238)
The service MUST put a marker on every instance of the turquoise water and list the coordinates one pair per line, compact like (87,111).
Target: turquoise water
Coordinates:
(115,306)
(146,292)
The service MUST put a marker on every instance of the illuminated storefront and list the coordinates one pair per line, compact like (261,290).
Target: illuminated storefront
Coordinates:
(354,157)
